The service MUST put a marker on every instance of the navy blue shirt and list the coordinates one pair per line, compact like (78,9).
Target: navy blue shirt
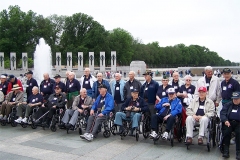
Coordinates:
(35,99)
(117,96)
(61,85)
(235,114)
(189,90)
(30,84)
(200,111)
(208,80)
(46,86)
(228,88)
(73,86)
(162,92)
(4,87)
(175,85)
(86,83)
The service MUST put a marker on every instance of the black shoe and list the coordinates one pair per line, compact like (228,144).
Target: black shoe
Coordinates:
(46,125)
(226,153)
(238,155)
(62,126)
(37,122)
(69,126)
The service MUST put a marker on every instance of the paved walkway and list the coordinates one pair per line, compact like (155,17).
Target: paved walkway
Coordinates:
(28,144)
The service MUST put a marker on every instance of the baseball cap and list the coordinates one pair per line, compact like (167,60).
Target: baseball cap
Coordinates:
(204,89)
(29,72)
(171,90)
(235,95)
(57,76)
(148,73)
(226,70)
(135,90)
(102,86)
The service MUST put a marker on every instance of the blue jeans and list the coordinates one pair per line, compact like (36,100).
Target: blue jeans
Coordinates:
(135,118)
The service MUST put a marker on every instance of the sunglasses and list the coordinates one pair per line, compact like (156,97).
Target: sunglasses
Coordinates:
(165,80)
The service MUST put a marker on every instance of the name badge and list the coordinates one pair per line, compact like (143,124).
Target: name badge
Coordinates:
(131,87)
(117,88)
(55,98)
(49,84)
(33,100)
(184,92)
(86,82)
(175,87)
(30,84)
(27,85)
(13,99)
(146,88)
(0,89)
(224,88)
(234,110)
(45,86)
(163,93)
(201,107)
(70,86)
(207,84)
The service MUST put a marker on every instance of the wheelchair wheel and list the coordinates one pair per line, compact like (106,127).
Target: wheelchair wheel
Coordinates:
(137,136)
(106,133)
(145,130)
(24,125)
(113,129)
(3,123)
(33,126)
(80,131)
(14,124)
(171,138)
(208,147)
(53,128)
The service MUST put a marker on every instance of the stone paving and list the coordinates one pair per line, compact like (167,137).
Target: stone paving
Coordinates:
(29,144)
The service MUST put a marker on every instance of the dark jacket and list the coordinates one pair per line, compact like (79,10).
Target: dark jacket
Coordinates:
(95,88)
(140,104)
(152,91)
(226,110)
(60,102)
(127,91)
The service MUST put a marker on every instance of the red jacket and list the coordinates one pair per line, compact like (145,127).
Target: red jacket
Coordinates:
(10,85)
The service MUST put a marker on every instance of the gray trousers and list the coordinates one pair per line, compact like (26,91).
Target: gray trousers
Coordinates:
(94,129)
(26,108)
(67,114)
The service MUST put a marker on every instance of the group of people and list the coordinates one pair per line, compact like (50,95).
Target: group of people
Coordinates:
(99,97)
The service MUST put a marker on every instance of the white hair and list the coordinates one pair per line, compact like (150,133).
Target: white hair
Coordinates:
(87,69)
(208,68)
(188,77)
(132,72)
(71,73)
(35,88)
(118,74)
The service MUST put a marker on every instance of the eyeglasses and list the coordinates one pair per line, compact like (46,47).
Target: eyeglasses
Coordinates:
(188,80)
(165,80)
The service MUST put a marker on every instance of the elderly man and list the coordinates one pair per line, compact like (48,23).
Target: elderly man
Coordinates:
(87,81)
(117,86)
(55,101)
(46,86)
(4,84)
(58,83)
(132,83)
(66,79)
(228,86)
(133,106)
(35,100)
(162,89)
(230,118)
(149,90)
(199,111)
(81,103)
(31,82)
(212,83)
(72,87)
(176,83)
(12,99)
(12,81)
(100,80)
(103,105)
(168,108)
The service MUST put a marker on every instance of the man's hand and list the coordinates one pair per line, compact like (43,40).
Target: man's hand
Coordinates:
(227,124)
(216,104)
(129,108)
(10,103)
(136,109)
(30,104)
(42,93)
(54,106)
(80,110)
(166,104)
(92,112)
(100,115)
(166,117)
(195,117)
(84,106)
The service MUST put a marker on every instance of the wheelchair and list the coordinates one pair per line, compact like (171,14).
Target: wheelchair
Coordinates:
(108,125)
(177,131)
(31,119)
(209,135)
(11,118)
(56,119)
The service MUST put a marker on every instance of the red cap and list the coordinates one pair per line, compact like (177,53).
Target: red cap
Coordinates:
(204,89)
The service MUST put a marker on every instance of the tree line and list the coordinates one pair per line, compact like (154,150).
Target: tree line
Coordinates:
(20,32)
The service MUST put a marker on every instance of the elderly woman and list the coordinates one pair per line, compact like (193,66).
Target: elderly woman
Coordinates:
(186,91)
(162,89)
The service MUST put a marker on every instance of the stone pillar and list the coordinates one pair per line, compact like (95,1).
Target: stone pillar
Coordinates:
(91,61)
(113,61)
(58,65)
(24,61)
(1,61)
(102,62)
(80,61)
(13,60)
(69,61)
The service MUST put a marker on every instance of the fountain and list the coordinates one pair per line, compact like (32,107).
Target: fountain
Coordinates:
(42,60)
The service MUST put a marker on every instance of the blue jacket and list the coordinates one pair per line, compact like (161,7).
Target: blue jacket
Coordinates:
(176,106)
(122,84)
(95,92)
(152,91)
(108,106)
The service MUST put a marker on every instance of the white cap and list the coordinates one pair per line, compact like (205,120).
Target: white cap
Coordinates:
(3,76)
(171,90)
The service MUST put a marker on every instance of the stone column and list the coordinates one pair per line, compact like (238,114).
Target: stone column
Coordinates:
(1,61)
(102,62)
(113,61)
(13,60)
(69,61)
(24,61)
(58,65)
(91,61)
(80,61)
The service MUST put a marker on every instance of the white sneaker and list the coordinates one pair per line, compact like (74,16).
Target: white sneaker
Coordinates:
(232,141)
(84,135)
(24,120)
(4,118)
(89,137)
(165,135)
(1,117)
(19,120)
(153,134)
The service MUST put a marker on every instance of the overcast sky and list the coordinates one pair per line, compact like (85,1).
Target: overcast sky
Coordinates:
(214,24)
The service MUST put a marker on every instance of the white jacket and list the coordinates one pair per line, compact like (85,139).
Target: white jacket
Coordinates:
(214,92)
(92,80)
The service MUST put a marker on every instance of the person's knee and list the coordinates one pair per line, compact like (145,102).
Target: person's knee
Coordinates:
(189,118)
